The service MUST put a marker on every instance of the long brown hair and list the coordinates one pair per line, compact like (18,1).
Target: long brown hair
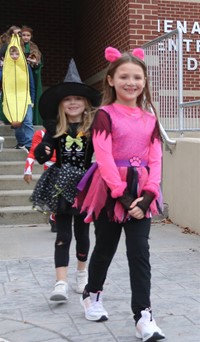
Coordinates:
(84,126)
(109,95)
(11,30)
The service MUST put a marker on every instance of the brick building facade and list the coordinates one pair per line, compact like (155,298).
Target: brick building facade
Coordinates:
(83,28)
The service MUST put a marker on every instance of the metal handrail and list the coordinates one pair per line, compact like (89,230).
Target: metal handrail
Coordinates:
(169,142)
(165,136)
(190,103)
(1,143)
(164,133)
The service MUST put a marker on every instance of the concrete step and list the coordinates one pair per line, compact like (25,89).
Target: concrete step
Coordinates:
(5,130)
(21,215)
(10,154)
(17,168)
(9,141)
(15,207)
(11,198)
(10,182)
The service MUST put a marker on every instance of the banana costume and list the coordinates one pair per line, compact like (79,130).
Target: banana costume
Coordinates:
(15,84)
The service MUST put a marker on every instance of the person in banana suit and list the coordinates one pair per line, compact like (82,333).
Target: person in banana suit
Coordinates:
(18,93)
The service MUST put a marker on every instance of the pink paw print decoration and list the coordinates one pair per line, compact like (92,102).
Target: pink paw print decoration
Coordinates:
(135,161)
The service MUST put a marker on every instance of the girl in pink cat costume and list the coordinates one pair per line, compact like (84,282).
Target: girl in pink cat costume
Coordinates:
(121,190)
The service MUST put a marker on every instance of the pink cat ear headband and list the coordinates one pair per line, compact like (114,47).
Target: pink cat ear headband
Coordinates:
(112,54)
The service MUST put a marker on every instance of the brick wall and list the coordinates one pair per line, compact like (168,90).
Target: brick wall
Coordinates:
(143,17)
(126,24)
(83,28)
(123,24)
(99,24)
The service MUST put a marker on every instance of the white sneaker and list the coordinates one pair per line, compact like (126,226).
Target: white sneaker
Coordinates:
(60,291)
(93,307)
(146,328)
(81,280)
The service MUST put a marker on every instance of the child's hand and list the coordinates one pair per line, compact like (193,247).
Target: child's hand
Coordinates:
(28,178)
(32,59)
(47,150)
(135,211)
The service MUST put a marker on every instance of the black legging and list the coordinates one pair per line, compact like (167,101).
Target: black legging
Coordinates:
(64,237)
(137,249)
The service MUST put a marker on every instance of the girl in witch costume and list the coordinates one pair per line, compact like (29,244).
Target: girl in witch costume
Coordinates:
(124,188)
(66,110)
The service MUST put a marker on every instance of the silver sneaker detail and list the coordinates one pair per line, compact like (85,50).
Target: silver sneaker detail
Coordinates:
(60,292)
(81,280)
(147,329)
(93,307)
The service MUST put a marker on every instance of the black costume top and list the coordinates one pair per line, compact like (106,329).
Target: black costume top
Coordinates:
(57,187)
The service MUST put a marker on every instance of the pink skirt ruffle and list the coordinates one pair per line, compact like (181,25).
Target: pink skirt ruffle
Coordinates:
(96,195)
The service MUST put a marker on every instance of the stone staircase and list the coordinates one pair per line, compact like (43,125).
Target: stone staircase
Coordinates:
(15,207)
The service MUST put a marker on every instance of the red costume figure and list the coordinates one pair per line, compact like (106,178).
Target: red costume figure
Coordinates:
(28,169)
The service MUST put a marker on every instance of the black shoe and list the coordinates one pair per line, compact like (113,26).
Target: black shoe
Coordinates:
(22,147)
(53,226)
(19,147)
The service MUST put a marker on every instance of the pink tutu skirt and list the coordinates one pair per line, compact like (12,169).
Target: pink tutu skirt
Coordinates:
(94,194)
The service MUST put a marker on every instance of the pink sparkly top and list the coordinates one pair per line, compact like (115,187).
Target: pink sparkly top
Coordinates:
(123,138)
(130,137)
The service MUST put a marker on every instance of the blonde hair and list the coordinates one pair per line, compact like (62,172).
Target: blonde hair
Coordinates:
(84,126)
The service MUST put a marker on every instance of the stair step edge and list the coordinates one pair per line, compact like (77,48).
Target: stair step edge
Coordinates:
(15,192)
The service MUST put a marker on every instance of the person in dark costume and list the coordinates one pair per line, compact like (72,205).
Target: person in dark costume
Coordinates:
(66,110)
(35,59)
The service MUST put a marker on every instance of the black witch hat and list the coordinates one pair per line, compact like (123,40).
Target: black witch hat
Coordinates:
(50,99)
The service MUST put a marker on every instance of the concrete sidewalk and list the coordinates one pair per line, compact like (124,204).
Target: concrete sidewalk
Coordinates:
(27,278)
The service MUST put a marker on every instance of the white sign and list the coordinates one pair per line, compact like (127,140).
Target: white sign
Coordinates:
(188,44)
